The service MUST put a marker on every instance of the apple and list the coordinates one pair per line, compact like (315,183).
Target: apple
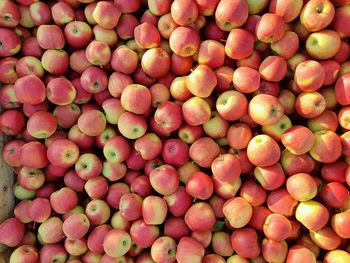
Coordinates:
(154,210)
(307,208)
(203,151)
(8,67)
(143,234)
(189,248)
(321,150)
(317,15)
(341,89)
(62,13)
(11,232)
(277,227)
(316,40)
(231,14)
(226,168)
(164,179)
(25,253)
(29,65)
(338,255)
(98,212)
(146,35)
(10,42)
(299,252)
(245,242)
(270,28)
(106,14)
(253,193)
(94,80)
(196,111)
(43,36)
(41,124)
(246,79)
(39,210)
(301,186)
(163,249)
(298,139)
(232,206)
(50,231)
(63,200)
(131,125)
(273,250)
(159,93)
(273,68)
(12,122)
(30,89)
(37,149)
(88,166)
(310,104)
(98,53)
(53,252)
(116,243)
(184,41)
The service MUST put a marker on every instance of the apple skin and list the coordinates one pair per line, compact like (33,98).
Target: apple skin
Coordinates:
(270,28)
(184,41)
(339,223)
(98,53)
(178,202)
(289,10)
(309,75)
(203,151)
(184,12)
(340,15)
(11,42)
(239,44)
(265,109)
(60,91)
(317,15)
(98,211)
(253,193)
(230,209)
(37,149)
(226,168)
(11,232)
(130,206)
(299,252)
(221,244)
(273,68)
(8,67)
(231,14)
(342,88)
(175,152)
(321,150)
(293,164)
(50,231)
(164,179)
(63,200)
(146,35)
(310,104)
(53,252)
(12,151)
(11,14)
(116,243)
(107,14)
(12,122)
(94,80)
(203,212)
(201,81)
(232,105)
(39,210)
(274,251)
(30,89)
(245,242)
(189,248)
(306,208)
(50,37)
(263,151)
(96,237)
(164,249)
(28,65)
(154,210)
(246,79)
(142,234)
(196,111)
(323,37)
(301,186)
(277,227)
(298,140)
(326,238)
(176,228)
(133,95)
(25,253)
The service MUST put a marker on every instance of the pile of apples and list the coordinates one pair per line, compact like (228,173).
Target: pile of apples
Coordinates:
(177,130)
